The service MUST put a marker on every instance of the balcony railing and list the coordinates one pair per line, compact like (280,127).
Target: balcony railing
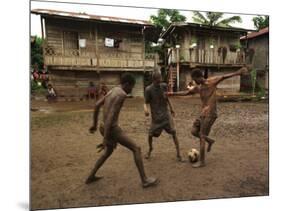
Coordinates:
(75,57)
(207,56)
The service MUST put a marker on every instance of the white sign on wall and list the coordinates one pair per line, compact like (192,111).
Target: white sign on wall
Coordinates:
(109,42)
(82,43)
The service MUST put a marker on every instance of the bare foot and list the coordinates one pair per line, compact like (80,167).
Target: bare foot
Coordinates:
(198,164)
(150,181)
(210,143)
(92,179)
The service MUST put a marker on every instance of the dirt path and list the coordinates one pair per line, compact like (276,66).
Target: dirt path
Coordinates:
(63,153)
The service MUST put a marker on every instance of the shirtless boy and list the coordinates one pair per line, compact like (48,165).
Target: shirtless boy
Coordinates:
(112,103)
(207,90)
(156,97)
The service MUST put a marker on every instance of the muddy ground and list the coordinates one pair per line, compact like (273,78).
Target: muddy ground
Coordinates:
(63,153)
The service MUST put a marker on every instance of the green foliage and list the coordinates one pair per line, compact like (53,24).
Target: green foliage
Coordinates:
(162,20)
(151,49)
(36,86)
(165,17)
(37,89)
(261,22)
(37,52)
(214,19)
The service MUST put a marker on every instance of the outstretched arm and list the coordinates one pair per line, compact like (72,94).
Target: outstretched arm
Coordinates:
(96,114)
(191,91)
(219,79)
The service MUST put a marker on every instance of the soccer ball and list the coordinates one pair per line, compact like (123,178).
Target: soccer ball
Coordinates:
(193,155)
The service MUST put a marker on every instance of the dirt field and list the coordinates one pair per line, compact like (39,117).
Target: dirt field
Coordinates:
(63,153)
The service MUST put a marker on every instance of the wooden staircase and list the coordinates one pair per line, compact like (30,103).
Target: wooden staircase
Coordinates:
(172,78)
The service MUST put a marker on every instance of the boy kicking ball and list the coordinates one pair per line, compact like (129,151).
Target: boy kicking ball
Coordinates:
(207,90)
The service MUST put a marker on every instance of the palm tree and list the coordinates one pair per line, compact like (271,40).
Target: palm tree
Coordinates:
(213,19)
(165,17)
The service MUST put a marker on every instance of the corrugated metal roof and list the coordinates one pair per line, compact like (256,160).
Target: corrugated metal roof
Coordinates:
(256,34)
(202,26)
(89,16)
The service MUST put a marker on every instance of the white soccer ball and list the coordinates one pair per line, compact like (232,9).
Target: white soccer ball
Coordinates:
(193,155)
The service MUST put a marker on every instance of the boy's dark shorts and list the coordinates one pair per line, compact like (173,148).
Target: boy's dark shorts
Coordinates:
(204,124)
(115,132)
(157,128)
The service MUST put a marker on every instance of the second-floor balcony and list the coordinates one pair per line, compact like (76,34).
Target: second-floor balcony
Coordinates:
(213,56)
(78,58)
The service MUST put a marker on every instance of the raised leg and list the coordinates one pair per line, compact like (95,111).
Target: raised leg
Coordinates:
(106,154)
(210,142)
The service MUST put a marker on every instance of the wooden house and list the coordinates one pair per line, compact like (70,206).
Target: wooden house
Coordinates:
(80,48)
(258,43)
(216,50)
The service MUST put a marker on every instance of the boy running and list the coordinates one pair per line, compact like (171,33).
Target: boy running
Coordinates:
(112,133)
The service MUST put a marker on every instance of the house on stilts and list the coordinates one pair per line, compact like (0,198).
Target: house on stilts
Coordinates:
(80,48)
(216,50)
